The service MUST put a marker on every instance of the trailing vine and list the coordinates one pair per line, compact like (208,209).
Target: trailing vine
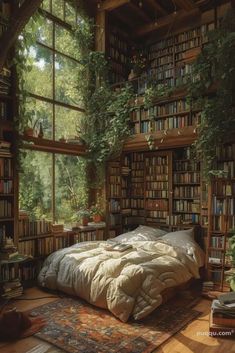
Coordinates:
(215,66)
(105,122)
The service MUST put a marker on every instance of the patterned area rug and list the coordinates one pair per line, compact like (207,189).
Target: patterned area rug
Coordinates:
(78,327)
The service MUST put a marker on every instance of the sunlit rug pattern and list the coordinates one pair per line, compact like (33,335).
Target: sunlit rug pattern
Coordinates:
(77,327)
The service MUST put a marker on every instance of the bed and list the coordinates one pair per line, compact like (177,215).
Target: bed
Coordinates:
(129,282)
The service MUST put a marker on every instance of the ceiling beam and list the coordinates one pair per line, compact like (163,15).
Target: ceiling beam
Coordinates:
(185,4)
(109,5)
(124,18)
(158,8)
(140,12)
(165,21)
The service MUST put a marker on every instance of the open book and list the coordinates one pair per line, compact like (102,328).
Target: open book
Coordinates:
(114,246)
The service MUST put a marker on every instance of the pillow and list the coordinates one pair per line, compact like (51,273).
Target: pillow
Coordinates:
(141,233)
(185,239)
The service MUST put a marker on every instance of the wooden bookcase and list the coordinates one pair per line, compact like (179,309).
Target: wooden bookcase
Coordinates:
(221,216)
(158,188)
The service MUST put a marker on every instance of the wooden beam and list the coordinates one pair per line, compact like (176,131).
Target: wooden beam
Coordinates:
(165,21)
(185,4)
(158,8)
(140,12)
(100,35)
(17,23)
(109,5)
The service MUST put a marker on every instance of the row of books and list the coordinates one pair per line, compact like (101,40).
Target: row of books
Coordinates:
(217,241)
(137,191)
(157,185)
(186,218)
(186,177)
(156,161)
(226,152)
(115,54)
(153,176)
(5,149)
(114,190)
(6,186)
(29,228)
(187,191)
(157,204)
(5,209)
(114,170)
(137,203)
(157,216)
(156,193)
(223,189)
(175,122)
(223,207)
(115,179)
(186,166)
(41,247)
(6,170)
(118,42)
(124,183)
(186,206)
(8,272)
(126,203)
(138,172)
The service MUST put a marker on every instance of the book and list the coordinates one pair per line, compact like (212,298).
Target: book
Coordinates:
(228,298)
(114,246)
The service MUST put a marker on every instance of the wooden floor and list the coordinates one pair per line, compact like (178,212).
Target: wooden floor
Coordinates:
(188,340)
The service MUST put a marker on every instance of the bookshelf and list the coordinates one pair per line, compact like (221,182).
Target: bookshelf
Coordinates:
(158,186)
(163,117)
(186,189)
(161,188)
(118,54)
(221,216)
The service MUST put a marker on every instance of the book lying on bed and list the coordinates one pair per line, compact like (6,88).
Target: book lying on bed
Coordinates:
(113,246)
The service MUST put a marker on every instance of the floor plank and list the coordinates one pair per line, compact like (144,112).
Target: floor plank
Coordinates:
(189,340)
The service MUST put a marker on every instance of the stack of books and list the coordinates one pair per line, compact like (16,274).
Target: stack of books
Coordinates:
(222,317)
(12,289)
(207,287)
(8,250)
(5,149)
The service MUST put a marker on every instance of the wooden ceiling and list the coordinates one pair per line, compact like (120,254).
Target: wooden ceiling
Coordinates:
(141,17)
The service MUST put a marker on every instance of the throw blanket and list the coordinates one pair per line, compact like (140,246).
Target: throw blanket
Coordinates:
(127,283)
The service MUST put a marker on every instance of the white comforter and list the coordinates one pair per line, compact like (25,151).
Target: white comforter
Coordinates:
(127,283)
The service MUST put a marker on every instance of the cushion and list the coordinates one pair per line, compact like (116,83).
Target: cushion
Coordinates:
(141,233)
(185,240)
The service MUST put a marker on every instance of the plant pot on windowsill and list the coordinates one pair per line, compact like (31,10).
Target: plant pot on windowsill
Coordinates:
(97,218)
(28,131)
(84,221)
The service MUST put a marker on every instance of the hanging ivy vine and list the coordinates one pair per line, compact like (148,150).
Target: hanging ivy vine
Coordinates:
(105,122)
(214,71)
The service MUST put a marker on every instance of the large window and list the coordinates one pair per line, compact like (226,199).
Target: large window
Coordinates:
(53,186)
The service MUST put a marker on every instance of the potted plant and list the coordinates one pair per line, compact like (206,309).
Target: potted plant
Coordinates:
(230,275)
(97,213)
(84,216)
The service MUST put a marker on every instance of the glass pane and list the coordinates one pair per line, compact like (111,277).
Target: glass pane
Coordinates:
(46,5)
(40,117)
(66,80)
(39,79)
(45,32)
(70,187)
(70,14)
(65,42)
(66,123)
(58,8)
(35,194)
